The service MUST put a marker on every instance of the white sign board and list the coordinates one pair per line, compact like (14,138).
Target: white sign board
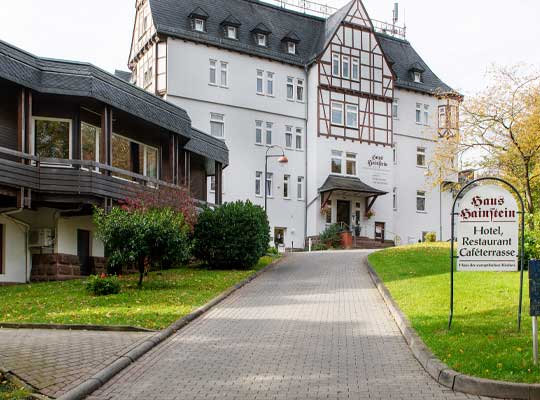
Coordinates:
(487,230)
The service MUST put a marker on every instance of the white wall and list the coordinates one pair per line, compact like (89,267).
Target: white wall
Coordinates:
(66,237)
(14,252)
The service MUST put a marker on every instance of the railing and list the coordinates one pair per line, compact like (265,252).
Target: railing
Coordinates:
(390,29)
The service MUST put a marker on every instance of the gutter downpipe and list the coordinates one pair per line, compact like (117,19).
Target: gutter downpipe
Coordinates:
(306,157)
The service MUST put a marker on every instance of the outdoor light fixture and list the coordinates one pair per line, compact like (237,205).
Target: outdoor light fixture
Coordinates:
(281,160)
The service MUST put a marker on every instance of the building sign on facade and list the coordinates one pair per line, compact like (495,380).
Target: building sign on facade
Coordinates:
(378,169)
(487,230)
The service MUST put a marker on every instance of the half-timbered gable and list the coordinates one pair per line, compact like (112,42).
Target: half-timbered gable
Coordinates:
(356,83)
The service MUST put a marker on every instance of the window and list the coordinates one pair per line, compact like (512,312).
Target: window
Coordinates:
(269,133)
(52,138)
(426,114)
(148,161)
(418,113)
(350,162)
(260,83)
(261,39)
(298,142)
(258,132)
(394,198)
(288,137)
(300,89)
(395,108)
(232,32)
(224,74)
(286,181)
(442,117)
(420,156)
(355,69)
(417,77)
(258,178)
(394,153)
(90,142)
(121,153)
(217,125)
(345,64)
(337,113)
(291,47)
(329,212)
(213,79)
(300,188)
(420,201)
(337,161)
(269,83)
(198,24)
(269,185)
(352,116)
(290,88)
(335,65)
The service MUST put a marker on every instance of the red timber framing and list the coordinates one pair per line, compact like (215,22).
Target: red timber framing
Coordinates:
(367,84)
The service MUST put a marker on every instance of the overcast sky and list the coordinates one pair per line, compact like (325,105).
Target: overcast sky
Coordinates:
(458,39)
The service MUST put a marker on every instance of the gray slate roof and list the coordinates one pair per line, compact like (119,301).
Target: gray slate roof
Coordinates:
(171,18)
(208,146)
(82,79)
(124,75)
(349,184)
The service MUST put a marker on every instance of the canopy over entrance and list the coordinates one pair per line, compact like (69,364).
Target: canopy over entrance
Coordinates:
(338,183)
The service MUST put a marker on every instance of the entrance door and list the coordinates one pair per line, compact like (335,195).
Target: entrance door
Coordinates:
(343,212)
(83,251)
(379,231)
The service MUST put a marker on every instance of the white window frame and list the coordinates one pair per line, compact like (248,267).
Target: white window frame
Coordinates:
(259,132)
(355,67)
(224,72)
(299,89)
(421,152)
(395,108)
(269,182)
(345,67)
(299,134)
(339,105)
(199,25)
(288,134)
(145,148)
(336,155)
(300,188)
(336,65)
(426,114)
(290,85)
(262,39)
(287,187)
(350,157)
(421,194)
(418,115)
(270,84)
(218,119)
(417,77)
(258,179)
(291,47)
(351,109)
(232,32)
(260,79)
(33,132)
(268,133)
(212,73)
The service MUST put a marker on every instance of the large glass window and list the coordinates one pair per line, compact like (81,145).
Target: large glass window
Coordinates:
(121,153)
(148,161)
(337,113)
(52,138)
(90,142)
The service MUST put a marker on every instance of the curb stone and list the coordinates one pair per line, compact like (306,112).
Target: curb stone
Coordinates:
(440,371)
(100,378)
(77,327)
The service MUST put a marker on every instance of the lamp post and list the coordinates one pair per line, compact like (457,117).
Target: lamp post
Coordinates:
(282,160)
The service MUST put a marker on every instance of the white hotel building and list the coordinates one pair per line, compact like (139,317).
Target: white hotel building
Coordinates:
(355,108)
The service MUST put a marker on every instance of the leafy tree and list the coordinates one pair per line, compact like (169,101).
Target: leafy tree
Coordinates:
(234,235)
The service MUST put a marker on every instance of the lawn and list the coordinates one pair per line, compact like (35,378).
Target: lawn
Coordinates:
(9,391)
(164,297)
(484,341)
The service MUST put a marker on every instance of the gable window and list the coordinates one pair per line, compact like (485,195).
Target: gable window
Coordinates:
(224,73)
(355,69)
(290,88)
(90,142)
(258,179)
(260,81)
(335,65)
(258,132)
(300,188)
(352,116)
(269,133)
(291,47)
(199,24)
(337,113)
(261,39)
(51,137)
(337,161)
(350,163)
(217,125)
(288,137)
(395,108)
(346,67)
(426,114)
(420,201)
(418,113)
(286,181)
(298,138)
(394,198)
(269,83)
(232,32)
(300,90)
(417,76)
(269,184)
(420,156)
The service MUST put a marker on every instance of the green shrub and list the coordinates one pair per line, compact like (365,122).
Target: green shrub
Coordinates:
(272,251)
(319,247)
(331,236)
(103,285)
(430,237)
(234,235)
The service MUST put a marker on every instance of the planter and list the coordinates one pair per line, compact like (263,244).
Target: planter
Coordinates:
(346,240)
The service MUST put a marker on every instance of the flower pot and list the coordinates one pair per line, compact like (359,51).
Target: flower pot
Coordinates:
(346,240)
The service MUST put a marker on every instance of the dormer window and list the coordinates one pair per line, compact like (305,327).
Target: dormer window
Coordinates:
(198,25)
(417,77)
(232,32)
(291,47)
(198,19)
(261,39)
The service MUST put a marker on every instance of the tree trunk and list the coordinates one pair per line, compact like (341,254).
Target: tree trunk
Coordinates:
(529,204)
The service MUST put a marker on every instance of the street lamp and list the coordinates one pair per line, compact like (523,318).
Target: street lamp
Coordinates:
(282,159)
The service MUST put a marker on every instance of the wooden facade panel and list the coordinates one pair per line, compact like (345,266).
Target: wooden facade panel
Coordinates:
(8,116)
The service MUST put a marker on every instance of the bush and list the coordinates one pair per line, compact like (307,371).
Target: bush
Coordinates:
(103,285)
(234,235)
(430,237)
(272,251)
(331,236)
(319,247)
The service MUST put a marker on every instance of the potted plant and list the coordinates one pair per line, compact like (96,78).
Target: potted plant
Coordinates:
(370,214)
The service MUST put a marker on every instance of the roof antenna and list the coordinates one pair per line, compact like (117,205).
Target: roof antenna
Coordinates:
(395,13)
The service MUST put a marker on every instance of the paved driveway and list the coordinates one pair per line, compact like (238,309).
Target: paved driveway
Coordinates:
(315,327)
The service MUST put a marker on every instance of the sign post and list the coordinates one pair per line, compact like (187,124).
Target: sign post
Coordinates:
(488,219)
(534,296)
